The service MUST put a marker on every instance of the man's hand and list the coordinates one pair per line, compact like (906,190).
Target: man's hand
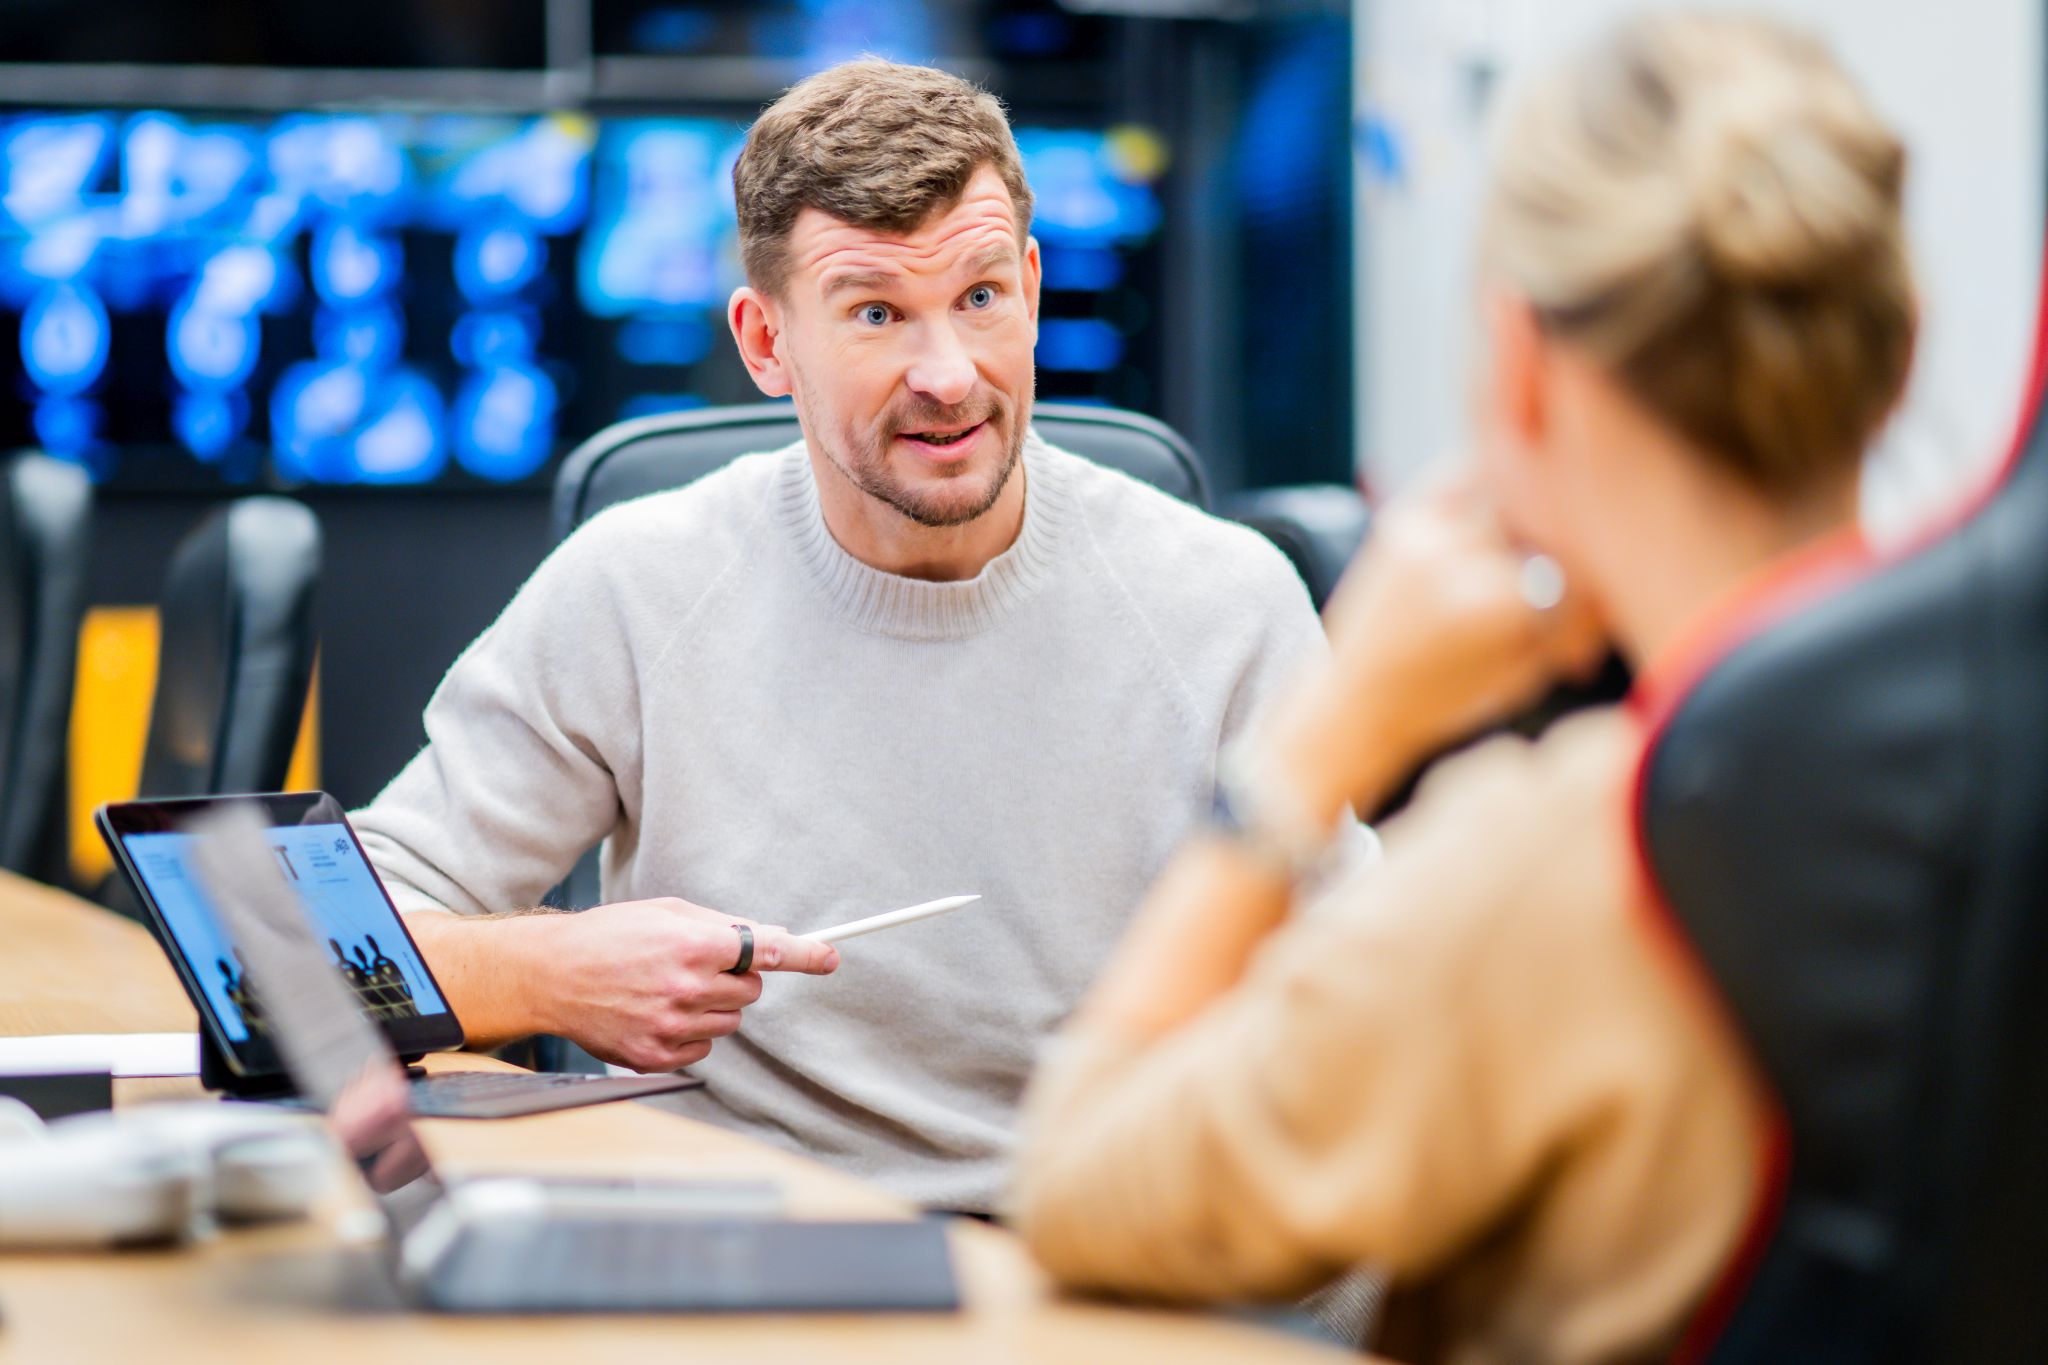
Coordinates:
(648,984)
(645,984)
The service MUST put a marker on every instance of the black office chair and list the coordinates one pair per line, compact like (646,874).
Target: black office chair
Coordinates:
(1847,817)
(1318,526)
(671,449)
(45,515)
(235,659)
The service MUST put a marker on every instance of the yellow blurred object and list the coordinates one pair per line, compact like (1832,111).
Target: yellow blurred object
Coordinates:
(582,127)
(304,773)
(110,704)
(109,722)
(1136,156)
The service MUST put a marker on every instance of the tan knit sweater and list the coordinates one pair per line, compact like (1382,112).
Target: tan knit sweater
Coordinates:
(1478,1066)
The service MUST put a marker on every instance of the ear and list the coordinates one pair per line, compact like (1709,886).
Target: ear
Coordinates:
(1034,274)
(1515,379)
(756,322)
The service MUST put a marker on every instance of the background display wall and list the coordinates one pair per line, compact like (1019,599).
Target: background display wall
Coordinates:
(396,257)
(436,299)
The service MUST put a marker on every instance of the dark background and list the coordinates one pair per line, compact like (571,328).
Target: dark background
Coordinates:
(1245,342)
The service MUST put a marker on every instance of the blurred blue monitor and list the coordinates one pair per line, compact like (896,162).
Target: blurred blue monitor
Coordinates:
(194,300)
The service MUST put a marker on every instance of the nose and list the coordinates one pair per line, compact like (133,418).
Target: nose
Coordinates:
(943,371)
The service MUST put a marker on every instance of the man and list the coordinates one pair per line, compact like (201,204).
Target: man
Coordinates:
(919,653)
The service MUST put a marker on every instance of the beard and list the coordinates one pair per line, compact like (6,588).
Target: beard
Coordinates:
(862,456)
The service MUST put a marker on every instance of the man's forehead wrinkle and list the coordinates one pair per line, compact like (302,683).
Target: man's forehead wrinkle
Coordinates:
(836,245)
(852,248)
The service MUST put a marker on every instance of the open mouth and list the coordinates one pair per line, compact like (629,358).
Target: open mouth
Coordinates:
(945,440)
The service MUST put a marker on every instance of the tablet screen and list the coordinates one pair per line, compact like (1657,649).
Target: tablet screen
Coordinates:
(320,858)
(322,864)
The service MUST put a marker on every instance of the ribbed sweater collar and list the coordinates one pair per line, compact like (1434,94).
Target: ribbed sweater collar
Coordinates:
(914,608)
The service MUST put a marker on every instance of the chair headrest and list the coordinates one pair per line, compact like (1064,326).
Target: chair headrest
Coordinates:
(670,450)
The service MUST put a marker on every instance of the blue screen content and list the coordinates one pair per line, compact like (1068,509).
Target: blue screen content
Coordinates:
(198,301)
(341,895)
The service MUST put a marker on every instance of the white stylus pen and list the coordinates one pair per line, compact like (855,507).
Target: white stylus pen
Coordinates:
(889,919)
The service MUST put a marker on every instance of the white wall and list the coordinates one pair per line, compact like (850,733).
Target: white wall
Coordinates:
(1962,80)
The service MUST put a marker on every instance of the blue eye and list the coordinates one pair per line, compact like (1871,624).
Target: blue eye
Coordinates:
(981,296)
(874,315)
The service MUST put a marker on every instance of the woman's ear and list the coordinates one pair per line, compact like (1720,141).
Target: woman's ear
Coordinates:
(756,322)
(1516,376)
(1515,420)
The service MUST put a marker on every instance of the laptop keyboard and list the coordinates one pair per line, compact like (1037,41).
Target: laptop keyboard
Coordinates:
(704,1264)
(468,1083)
(447,1091)
(627,1260)
(626,1263)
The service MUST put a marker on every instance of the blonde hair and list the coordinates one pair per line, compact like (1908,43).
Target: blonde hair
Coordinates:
(1707,206)
(878,144)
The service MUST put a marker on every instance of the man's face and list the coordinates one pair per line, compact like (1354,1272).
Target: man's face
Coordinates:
(910,356)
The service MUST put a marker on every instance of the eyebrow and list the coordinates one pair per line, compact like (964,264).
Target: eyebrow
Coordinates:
(1003,253)
(989,259)
(863,279)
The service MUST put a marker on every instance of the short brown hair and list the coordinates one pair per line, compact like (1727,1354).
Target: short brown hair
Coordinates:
(1711,209)
(877,144)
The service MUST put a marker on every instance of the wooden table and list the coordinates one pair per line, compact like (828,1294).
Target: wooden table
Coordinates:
(302,1292)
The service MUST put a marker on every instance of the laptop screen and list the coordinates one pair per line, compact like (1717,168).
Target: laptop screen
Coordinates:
(335,1055)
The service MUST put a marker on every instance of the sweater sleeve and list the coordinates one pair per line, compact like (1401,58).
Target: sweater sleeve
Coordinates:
(1392,1073)
(1286,641)
(530,739)
(1286,637)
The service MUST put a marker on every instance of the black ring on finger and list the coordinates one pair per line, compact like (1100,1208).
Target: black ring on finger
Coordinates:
(746,962)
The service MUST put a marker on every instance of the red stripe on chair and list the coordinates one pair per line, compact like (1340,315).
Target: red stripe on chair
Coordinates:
(1777,593)
(1774,595)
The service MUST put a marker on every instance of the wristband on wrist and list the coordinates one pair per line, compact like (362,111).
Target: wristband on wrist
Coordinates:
(1268,820)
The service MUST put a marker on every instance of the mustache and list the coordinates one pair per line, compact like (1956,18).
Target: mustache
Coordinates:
(932,416)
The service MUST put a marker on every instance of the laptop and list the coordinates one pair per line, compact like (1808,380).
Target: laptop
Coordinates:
(513,1245)
(309,841)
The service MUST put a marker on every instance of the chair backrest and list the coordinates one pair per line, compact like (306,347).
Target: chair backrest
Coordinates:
(1846,814)
(1318,526)
(236,653)
(672,449)
(45,515)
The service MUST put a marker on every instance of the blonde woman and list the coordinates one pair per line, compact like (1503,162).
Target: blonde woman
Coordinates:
(1478,1065)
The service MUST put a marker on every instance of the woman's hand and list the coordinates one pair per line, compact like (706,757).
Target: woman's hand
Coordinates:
(1434,636)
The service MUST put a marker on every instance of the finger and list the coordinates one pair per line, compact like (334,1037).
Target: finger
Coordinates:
(688,1055)
(725,991)
(778,950)
(713,949)
(704,1025)
(651,1055)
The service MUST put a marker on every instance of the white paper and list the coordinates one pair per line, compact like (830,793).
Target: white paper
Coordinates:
(123,1054)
